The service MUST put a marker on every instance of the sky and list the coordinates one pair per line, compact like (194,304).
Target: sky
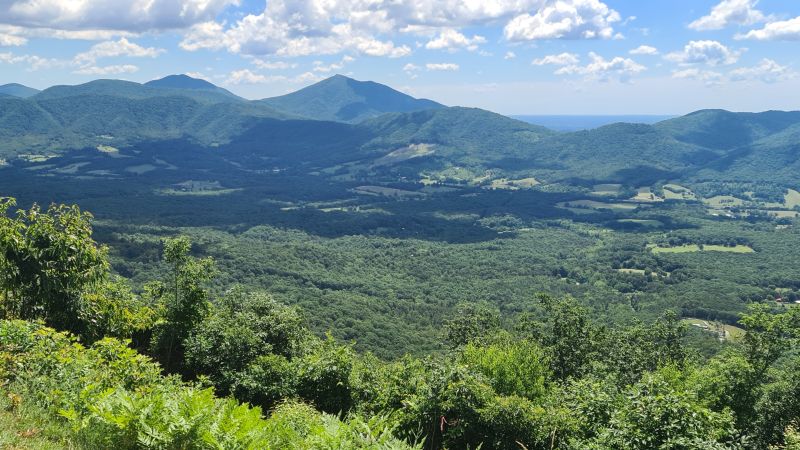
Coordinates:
(509,56)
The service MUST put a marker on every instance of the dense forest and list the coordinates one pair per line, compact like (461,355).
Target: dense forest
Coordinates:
(88,362)
(347,267)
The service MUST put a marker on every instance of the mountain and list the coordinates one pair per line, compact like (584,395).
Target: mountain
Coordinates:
(188,83)
(724,130)
(118,113)
(131,90)
(17,90)
(343,99)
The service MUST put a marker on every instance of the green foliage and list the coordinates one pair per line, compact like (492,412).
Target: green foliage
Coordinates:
(512,367)
(471,322)
(243,346)
(185,300)
(48,260)
(323,376)
(110,396)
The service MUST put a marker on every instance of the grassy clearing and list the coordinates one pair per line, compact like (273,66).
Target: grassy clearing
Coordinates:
(71,169)
(593,204)
(404,154)
(781,214)
(141,169)
(607,189)
(694,248)
(791,199)
(644,194)
(24,427)
(385,191)
(513,185)
(724,331)
(643,222)
(632,271)
(723,201)
(678,192)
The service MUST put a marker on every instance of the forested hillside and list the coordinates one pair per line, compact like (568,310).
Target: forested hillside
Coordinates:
(350,267)
(86,362)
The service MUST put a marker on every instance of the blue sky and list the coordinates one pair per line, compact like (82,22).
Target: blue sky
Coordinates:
(510,56)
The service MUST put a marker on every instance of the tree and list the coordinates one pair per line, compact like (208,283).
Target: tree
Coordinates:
(567,334)
(185,301)
(243,328)
(48,260)
(471,322)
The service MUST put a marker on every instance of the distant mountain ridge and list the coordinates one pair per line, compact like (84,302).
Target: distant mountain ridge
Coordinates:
(361,129)
(344,99)
(17,90)
(189,83)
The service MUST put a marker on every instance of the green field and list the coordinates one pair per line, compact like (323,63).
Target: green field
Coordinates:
(729,332)
(694,248)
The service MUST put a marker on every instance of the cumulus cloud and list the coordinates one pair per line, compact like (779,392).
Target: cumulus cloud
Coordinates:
(450,39)
(319,66)
(246,76)
(510,55)
(785,30)
(111,49)
(644,50)
(601,69)
(729,12)
(712,53)
(121,15)
(564,59)
(34,62)
(107,70)
(767,71)
(411,70)
(273,65)
(442,67)
(10,40)
(709,77)
(564,19)
(321,27)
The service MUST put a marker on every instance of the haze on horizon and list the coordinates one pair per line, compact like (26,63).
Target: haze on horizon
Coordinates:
(537,57)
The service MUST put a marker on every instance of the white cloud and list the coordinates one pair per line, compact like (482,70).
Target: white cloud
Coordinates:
(442,67)
(121,15)
(10,40)
(601,69)
(111,49)
(319,66)
(273,65)
(729,12)
(450,39)
(564,19)
(644,50)
(708,77)
(34,62)
(564,59)
(767,71)
(510,55)
(786,30)
(411,70)
(324,27)
(107,70)
(712,53)
(52,33)
(246,76)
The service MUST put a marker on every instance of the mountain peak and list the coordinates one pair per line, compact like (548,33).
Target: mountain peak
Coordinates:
(182,81)
(343,99)
(18,90)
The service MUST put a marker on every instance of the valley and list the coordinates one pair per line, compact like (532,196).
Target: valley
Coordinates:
(416,199)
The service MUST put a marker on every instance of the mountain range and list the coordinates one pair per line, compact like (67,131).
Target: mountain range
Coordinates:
(367,130)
